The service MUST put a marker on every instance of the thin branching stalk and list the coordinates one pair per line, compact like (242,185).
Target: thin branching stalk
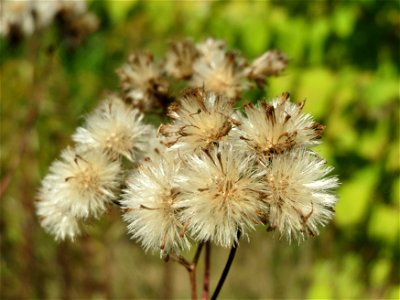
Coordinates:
(206,281)
(198,252)
(225,272)
(191,268)
(192,271)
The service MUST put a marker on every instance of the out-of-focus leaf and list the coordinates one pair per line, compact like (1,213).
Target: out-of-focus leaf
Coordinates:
(277,85)
(355,195)
(396,192)
(343,20)
(199,13)
(316,85)
(348,285)
(162,14)
(319,32)
(384,223)
(325,151)
(393,161)
(346,90)
(321,288)
(220,30)
(14,233)
(118,10)
(255,43)
(371,144)
(292,37)
(340,129)
(379,272)
(380,91)
(394,293)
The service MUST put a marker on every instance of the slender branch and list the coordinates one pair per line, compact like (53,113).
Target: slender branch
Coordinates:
(167,282)
(192,272)
(206,283)
(192,277)
(228,264)
(182,261)
(191,268)
(197,255)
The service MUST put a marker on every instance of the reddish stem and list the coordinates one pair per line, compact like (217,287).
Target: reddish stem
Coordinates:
(191,268)
(206,284)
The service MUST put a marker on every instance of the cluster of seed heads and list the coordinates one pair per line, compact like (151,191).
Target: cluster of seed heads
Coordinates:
(212,171)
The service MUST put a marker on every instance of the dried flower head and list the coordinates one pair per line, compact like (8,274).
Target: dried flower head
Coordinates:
(277,127)
(156,148)
(210,48)
(300,196)
(221,195)
(16,18)
(78,186)
(81,183)
(74,20)
(224,75)
(142,81)
(116,129)
(271,63)
(20,18)
(219,70)
(180,59)
(148,204)
(199,120)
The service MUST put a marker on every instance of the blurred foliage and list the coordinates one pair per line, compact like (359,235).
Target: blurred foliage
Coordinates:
(344,59)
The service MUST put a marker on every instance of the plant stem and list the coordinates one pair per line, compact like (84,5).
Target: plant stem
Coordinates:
(167,282)
(192,271)
(206,283)
(197,255)
(191,268)
(226,269)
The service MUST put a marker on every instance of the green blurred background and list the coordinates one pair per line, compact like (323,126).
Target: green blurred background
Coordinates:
(344,59)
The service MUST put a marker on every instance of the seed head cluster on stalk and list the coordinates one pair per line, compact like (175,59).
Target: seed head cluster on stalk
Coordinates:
(24,18)
(210,172)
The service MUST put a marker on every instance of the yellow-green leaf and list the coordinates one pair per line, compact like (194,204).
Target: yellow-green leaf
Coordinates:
(355,196)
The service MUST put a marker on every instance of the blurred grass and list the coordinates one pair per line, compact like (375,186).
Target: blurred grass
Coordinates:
(344,59)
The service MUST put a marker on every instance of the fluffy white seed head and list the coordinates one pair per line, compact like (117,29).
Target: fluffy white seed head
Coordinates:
(199,120)
(81,183)
(180,59)
(210,48)
(299,195)
(224,76)
(115,129)
(148,203)
(26,17)
(16,16)
(56,220)
(274,128)
(156,148)
(218,70)
(221,195)
(142,81)
(78,186)
(271,63)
